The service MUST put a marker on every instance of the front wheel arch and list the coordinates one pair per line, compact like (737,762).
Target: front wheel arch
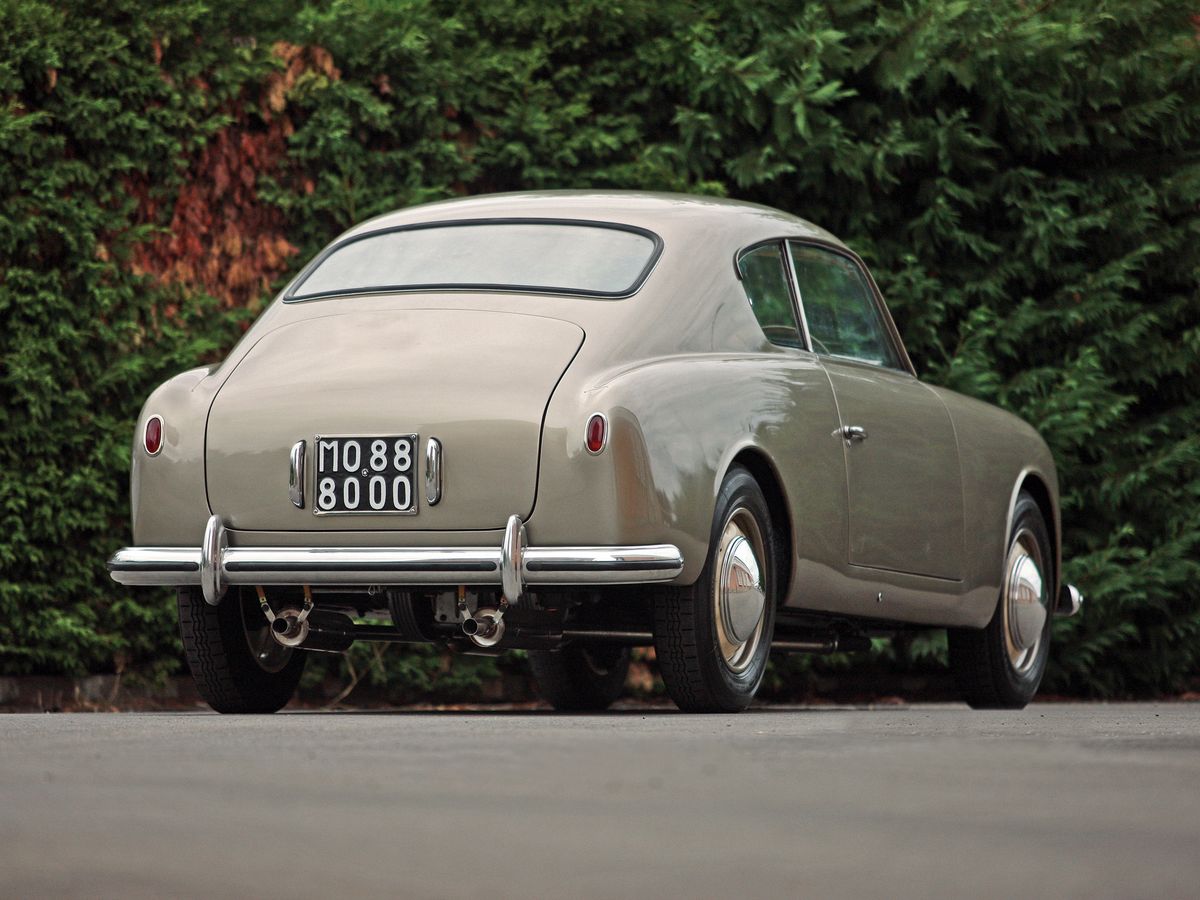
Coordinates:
(1032,483)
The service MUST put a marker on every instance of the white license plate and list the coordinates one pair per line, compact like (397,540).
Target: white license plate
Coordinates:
(374,474)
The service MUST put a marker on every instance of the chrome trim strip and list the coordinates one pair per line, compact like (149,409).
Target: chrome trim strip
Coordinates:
(296,474)
(433,471)
(406,565)
(797,298)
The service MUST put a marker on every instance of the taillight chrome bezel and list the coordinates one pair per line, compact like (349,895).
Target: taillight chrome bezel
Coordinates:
(587,433)
(162,435)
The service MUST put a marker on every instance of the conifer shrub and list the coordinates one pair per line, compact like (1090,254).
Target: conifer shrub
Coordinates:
(1022,179)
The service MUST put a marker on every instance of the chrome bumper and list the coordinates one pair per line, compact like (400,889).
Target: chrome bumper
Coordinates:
(214,565)
(1070,601)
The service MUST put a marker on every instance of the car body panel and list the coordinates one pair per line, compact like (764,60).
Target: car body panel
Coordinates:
(908,462)
(689,385)
(675,451)
(464,376)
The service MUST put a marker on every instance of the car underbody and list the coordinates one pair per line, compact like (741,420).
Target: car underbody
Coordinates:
(312,597)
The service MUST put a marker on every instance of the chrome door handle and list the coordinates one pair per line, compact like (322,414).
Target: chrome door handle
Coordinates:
(851,433)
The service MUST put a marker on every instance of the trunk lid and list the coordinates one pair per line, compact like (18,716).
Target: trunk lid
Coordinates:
(478,381)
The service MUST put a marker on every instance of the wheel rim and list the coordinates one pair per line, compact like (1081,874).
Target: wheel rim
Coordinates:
(270,655)
(739,593)
(1025,609)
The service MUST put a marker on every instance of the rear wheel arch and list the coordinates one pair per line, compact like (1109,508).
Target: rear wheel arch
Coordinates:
(759,465)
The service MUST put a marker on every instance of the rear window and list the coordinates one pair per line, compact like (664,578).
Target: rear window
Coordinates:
(526,255)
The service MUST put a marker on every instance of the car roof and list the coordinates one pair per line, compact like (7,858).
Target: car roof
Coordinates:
(669,215)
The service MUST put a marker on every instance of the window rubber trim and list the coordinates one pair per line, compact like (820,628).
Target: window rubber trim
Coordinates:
(293,294)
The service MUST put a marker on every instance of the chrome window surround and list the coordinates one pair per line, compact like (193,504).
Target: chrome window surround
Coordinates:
(892,333)
(785,257)
(291,294)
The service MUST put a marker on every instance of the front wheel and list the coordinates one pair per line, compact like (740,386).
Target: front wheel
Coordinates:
(237,664)
(1001,666)
(712,639)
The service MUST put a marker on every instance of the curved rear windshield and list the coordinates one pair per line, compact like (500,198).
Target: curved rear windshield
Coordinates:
(555,257)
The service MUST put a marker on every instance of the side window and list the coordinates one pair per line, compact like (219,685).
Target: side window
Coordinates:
(840,309)
(766,285)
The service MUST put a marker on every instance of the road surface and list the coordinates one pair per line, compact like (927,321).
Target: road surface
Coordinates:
(927,801)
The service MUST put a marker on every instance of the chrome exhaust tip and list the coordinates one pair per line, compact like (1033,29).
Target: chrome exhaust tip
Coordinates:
(290,628)
(485,628)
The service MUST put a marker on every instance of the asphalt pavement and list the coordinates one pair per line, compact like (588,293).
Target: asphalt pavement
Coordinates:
(926,801)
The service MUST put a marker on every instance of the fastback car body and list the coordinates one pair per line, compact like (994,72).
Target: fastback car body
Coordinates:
(577,422)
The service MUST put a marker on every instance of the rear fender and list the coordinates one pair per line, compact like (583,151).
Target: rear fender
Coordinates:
(675,426)
(168,504)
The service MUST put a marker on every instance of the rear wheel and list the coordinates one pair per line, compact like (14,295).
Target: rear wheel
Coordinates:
(579,678)
(712,639)
(238,666)
(1001,666)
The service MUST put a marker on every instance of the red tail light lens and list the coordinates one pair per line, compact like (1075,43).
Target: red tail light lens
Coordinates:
(596,435)
(154,434)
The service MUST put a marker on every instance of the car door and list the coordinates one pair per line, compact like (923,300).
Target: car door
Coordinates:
(812,468)
(903,478)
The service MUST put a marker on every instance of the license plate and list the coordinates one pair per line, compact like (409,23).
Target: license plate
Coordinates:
(374,474)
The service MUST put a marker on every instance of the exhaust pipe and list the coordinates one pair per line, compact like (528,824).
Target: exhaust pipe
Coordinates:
(485,628)
(321,630)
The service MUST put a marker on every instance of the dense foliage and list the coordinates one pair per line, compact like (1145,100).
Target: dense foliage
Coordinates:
(1022,177)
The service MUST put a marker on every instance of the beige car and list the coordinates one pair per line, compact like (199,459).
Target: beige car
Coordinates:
(580,422)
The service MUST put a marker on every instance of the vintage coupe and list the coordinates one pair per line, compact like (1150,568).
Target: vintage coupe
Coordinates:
(576,423)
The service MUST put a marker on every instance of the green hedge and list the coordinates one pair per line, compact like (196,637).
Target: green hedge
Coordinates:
(1022,178)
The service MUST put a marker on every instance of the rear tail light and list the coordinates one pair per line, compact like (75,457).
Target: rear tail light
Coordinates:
(596,435)
(154,435)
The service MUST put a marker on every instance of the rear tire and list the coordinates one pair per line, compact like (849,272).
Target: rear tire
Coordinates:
(580,678)
(237,666)
(712,639)
(1001,666)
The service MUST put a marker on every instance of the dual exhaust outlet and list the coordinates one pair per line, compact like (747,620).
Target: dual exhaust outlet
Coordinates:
(334,632)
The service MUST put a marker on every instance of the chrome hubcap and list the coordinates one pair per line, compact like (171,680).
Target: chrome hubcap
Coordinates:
(739,593)
(1025,609)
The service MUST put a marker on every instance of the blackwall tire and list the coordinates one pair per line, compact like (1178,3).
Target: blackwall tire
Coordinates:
(580,678)
(713,638)
(236,665)
(1001,666)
